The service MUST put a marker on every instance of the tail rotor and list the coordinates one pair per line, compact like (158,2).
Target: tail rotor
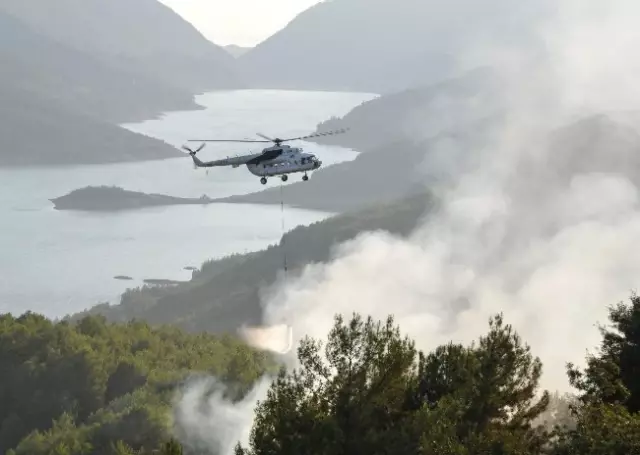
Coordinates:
(193,152)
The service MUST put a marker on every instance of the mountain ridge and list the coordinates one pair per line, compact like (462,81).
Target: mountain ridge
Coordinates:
(384,46)
(74,138)
(40,67)
(73,72)
(136,41)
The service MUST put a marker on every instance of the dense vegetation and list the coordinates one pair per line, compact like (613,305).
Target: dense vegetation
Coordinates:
(99,388)
(369,391)
(106,389)
(225,294)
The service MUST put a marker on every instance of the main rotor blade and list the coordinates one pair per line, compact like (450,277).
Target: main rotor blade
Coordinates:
(224,140)
(328,133)
(265,137)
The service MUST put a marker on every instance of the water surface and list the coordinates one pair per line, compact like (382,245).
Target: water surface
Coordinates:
(58,262)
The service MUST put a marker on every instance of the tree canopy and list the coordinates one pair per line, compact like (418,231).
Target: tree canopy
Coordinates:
(100,388)
(367,390)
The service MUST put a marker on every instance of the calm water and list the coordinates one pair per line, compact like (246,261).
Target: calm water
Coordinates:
(58,263)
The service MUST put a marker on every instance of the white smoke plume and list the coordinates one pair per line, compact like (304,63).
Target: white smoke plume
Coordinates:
(551,255)
(276,338)
(206,420)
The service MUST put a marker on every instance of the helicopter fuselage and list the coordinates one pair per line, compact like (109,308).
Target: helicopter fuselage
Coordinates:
(278,160)
(291,160)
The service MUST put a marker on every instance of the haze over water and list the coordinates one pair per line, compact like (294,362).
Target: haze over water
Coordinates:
(58,262)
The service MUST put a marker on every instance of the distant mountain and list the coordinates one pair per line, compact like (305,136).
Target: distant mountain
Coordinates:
(70,71)
(38,132)
(236,51)
(141,37)
(225,294)
(44,69)
(387,45)
(597,143)
(420,112)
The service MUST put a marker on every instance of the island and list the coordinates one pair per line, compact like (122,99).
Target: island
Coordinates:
(112,198)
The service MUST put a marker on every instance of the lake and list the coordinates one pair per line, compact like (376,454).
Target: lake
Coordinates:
(57,263)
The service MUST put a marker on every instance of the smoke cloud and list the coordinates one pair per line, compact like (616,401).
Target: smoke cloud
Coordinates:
(551,253)
(206,420)
(551,248)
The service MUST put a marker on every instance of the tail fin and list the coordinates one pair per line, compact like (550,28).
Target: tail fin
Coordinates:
(196,160)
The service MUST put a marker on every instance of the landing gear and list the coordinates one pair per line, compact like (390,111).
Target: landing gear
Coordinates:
(305,177)
(263,180)
(285,177)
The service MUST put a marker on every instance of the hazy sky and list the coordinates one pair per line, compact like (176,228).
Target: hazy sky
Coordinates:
(242,22)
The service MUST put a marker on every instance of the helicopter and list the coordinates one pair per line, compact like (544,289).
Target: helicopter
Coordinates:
(277,160)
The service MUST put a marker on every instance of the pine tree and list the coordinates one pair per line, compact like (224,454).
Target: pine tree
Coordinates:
(613,376)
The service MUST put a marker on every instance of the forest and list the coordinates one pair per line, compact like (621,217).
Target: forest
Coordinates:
(93,387)
(97,388)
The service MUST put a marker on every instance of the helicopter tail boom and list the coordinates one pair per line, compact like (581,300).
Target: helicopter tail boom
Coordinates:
(232,161)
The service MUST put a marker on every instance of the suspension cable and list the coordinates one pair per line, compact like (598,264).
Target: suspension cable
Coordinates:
(284,247)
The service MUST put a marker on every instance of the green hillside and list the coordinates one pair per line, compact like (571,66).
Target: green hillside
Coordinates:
(108,389)
(224,294)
